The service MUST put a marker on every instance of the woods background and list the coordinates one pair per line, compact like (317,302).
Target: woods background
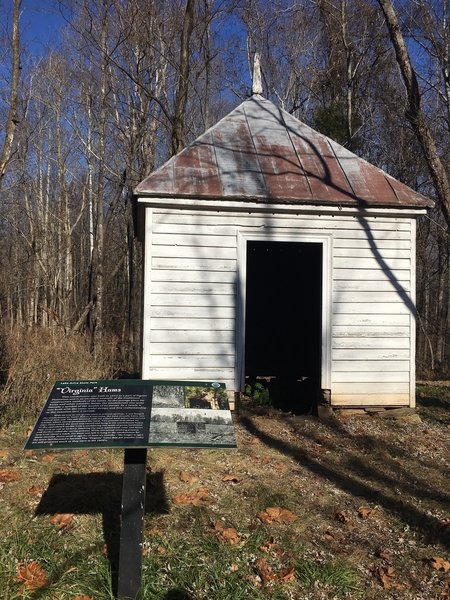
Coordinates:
(129,83)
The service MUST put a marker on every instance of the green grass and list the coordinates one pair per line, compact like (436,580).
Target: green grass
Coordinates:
(434,403)
(185,559)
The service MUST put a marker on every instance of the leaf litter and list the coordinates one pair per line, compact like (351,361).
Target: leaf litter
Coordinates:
(359,503)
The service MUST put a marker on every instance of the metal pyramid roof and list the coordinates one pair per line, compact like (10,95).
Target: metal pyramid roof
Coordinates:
(261,153)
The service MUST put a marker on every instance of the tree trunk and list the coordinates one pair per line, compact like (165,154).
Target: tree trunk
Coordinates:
(414,113)
(11,120)
(178,141)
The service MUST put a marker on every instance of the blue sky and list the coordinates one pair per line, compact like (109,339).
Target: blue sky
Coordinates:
(41,22)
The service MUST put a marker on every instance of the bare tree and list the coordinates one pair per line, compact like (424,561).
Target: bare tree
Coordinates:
(178,142)
(12,118)
(415,113)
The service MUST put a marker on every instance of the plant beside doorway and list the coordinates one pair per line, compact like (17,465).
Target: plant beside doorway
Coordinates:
(258,393)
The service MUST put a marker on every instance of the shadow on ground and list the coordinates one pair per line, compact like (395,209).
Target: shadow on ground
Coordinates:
(394,480)
(100,493)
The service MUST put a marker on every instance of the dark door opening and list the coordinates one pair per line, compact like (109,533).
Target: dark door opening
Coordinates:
(283,322)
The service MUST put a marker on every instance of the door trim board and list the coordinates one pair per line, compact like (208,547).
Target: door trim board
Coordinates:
(326,240)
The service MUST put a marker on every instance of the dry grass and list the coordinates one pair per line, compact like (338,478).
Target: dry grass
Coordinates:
(371,496)
(32,360)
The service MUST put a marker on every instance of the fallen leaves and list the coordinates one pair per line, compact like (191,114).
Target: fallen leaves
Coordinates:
(341,516)
(268,575)
(231,478)
(264,570)
(8,475)
(440,564)
(48,458)
(227,534)
(275,514)
(63,521)
(188,477)
(198,497)
(83,598)
(4,454)
(387,578)
(32,576)
(384,555)
(35,490)
(364,512)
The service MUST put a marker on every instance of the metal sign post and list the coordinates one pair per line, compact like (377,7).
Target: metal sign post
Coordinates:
(132,528)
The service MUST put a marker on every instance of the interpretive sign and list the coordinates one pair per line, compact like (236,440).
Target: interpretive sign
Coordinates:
(134,413)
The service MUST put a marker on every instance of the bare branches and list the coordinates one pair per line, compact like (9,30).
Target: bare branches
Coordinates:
(12,119)
(178,142)
(414,113)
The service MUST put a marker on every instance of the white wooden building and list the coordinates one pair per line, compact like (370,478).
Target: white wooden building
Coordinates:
(271,250)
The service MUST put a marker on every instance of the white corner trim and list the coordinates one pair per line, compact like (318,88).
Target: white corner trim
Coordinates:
(413,319)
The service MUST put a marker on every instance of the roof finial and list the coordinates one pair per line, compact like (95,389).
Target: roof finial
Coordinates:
(257,83)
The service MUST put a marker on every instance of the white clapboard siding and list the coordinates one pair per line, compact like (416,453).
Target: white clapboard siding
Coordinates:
(344,232)
(370,365)
(373,377)
(374,296)
(374,274)
(356,253)
(225,376)
(370,308)
(192,336)
(367,400)
(212,241)
(357,354)
(202,218)
(191,252)
(379,320)
(178,288)
(370,331)
(381,387)
(366,343)
(194,312)
(194,276)
(190,302)
(168,324)
(362,285)
(201,263)
(361,244)
(197,348)
(196,361)
(393,264)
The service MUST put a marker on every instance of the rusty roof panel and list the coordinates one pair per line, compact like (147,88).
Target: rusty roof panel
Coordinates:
(278,161)
(261,153)
(365,180)
(195,172)
(237,160)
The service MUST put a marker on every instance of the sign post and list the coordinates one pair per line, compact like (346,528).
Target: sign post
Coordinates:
(135,415)
(132,528)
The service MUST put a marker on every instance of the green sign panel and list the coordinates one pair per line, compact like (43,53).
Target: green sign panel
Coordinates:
(134,413)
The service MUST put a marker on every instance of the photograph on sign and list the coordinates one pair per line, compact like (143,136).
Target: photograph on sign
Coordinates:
(191,415)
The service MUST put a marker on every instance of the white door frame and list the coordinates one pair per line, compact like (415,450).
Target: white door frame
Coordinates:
(277,235)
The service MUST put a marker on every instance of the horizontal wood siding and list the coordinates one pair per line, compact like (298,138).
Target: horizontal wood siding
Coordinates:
(190,302)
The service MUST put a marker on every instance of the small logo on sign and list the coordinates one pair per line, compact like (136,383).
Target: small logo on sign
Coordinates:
(215,384)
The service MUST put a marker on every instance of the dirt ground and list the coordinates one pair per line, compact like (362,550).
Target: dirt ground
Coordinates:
(362,493)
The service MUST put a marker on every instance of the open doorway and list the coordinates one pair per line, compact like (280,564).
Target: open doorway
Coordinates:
(283,322)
